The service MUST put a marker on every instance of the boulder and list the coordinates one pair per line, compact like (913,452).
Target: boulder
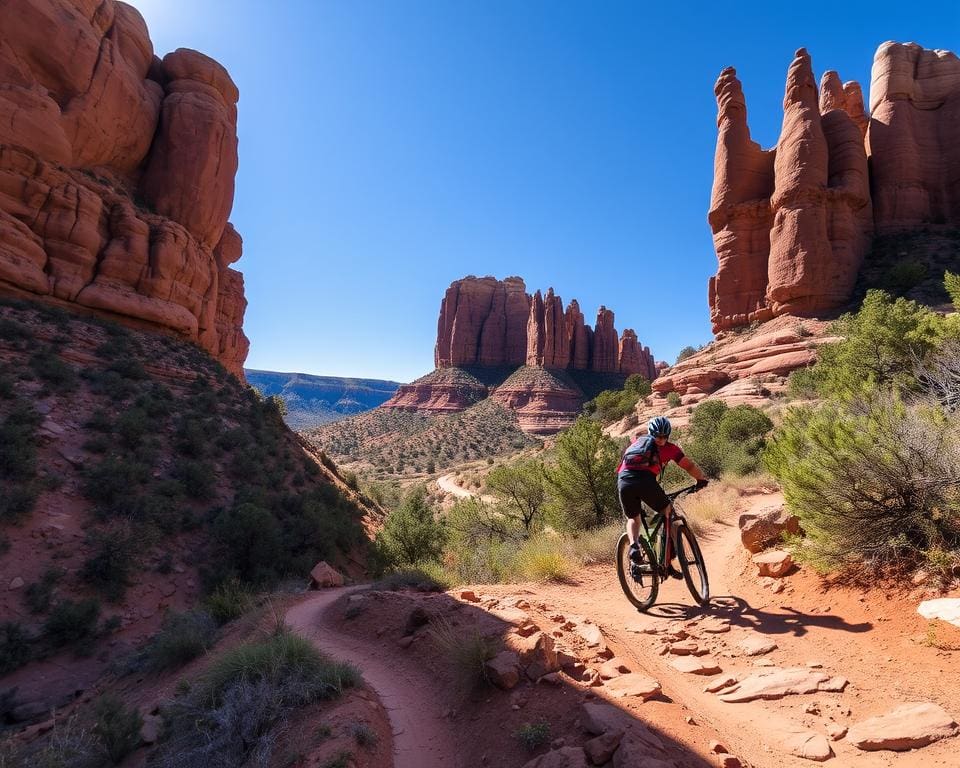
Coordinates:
(503,670)
(775,563)
(908,726)
(536,653)
(631,685)
(600,749)
(758,530)
(943,608)
(325,575)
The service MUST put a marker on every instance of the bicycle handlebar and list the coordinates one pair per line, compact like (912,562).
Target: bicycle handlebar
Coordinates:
(682,491)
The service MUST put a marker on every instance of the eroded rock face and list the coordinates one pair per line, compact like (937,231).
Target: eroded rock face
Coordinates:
(488,322)
(117,173)
(914,136)
(791,225)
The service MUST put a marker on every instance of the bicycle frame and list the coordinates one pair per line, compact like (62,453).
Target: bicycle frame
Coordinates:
(659,524)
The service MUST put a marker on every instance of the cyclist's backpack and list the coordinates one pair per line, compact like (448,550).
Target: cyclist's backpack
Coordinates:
(643,454)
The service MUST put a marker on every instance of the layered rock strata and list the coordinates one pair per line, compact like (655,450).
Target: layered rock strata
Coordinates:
(117,173)
(791,225)
(489,322)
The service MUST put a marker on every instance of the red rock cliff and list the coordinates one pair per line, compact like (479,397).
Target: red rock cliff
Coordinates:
(791,225)
(488,322)
(117,173)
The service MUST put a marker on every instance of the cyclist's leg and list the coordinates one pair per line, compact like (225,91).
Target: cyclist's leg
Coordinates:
(632,506)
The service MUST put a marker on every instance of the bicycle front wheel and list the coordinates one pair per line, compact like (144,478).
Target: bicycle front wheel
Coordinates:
(692,565)
(638,580)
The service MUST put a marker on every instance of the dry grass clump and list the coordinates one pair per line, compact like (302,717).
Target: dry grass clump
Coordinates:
(596,545)
(760,481)
(466,650)
(544,558)
(715,502)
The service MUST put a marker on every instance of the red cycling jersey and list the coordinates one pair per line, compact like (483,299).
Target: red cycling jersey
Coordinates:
(662,454)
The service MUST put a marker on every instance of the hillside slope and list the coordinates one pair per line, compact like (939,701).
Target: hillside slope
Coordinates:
(136,474)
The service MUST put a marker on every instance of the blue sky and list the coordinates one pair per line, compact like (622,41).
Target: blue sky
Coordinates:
(388,148)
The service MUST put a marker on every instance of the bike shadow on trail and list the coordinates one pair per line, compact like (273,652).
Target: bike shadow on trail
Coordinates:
(739,613)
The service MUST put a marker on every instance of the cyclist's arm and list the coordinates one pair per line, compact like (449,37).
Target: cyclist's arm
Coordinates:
(689,466)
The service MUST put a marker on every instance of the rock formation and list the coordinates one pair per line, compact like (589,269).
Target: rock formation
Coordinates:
(117,173)
(488,322)
(791,225)
(526,352)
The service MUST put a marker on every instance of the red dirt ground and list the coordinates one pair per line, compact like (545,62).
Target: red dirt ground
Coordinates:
(876,640)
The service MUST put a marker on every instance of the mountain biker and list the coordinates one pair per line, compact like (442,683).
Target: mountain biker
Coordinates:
(638,475)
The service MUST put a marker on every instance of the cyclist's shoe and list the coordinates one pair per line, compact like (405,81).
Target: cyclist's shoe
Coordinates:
(673,570)
(636,556)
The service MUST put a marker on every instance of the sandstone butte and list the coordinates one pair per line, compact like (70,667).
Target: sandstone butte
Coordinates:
(792,224)
(117,174)
(492,324)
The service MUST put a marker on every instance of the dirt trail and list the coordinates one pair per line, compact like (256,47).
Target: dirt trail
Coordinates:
(420,736)
(843,633)
(447,484)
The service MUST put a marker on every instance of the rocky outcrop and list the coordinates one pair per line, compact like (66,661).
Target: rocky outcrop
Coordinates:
(791,225)
(117,173)
(913,138)
(495,340)
(488,322)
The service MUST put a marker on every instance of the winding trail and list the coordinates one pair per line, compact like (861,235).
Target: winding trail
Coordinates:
(446,484)
(421,738)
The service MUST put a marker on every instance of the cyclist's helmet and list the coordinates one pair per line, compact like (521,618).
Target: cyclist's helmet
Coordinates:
(659,426)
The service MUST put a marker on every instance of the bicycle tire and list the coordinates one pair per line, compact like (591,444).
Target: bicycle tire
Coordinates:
(692,564)
(640,587)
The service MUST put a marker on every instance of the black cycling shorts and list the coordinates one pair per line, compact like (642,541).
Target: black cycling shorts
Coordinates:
(642,487)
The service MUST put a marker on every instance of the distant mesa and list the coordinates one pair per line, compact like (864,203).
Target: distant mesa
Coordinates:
(793,224)
(117,174)
(315,400)
(532,355)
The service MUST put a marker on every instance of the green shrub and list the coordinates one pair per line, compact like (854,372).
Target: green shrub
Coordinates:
(282,655)
(17,500)
(182,638)
(113,482)
(417,579)
(15,647)
(51,370)
(904,275)
(873,482)
(250,541)
(38,594)
(411,533)
(197,477)
(72,624)
(686,352)
(613,404)
(132,425)
(18,442)
(229,601)
(952,283)
(364,735)
(673,400)
(114,557)
(582,478)
(117,726)
(533,735)
(723,439)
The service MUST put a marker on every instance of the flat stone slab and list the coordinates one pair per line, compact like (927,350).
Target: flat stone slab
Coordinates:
(906,727)
(777,683)
(945,608)
(633,685)
(756,645)
(591,634)
(808,745)
(692,665)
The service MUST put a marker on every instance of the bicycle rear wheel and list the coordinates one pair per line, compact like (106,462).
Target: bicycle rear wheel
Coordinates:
(691,564)
(639,581)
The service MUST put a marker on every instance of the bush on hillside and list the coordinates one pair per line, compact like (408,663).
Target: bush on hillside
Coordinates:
(117,726)
(15,646)
(582,478)
(182,638)
(673,399)
(72,623)
(723,439)
(613,404)
(873,481)
(521,489)
(233,714)
(881,345)
(686,352)
(411,533)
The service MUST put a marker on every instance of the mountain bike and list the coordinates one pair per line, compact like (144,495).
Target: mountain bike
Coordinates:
(641,580)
